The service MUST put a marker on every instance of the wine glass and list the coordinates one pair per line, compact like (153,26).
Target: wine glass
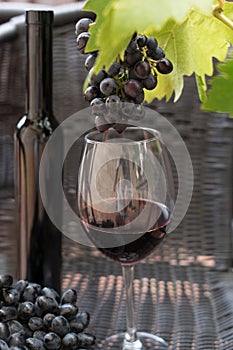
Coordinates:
(125,200)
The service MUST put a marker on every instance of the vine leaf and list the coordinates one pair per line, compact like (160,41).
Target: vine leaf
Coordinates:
(117,20)
(220,95)
(98,8)
(191,48)
(201,87)
(187,31)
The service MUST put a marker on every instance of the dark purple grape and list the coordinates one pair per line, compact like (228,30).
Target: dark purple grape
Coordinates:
(37,287)
(68,310)
(150,82)
(82,25)
(60,326)
(50,292)
(34,344)
(120,127)
(31,292)
(26,310)
(86,339)
(39,335)
(27,332)
(90,61)
(52,341)
(132,47)
(82,40)
(113,103)
(69,295)
(96,79)
(83,317)
(47,320)
(16,339)
(164,66)
(152,43)
(132,58)
(156,54)
(15,326)
(38,311)
(47,304)
(139,98)
(132,74)
(142,69)
(133,88)
(3,345)
(8,313)
(11,296)
(6,281)
(108,86)
(35,323)
(112,117)
(139,113)
(97,108)
(90,93)
(114,69)
(101,124)
(76,326)
(159,53)
(70,341)
(4,331)
(21,285)
(142,40)
(128,108)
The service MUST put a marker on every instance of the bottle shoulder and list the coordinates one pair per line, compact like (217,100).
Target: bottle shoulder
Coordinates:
(41,126)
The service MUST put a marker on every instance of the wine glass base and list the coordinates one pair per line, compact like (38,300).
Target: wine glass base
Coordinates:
(145,341)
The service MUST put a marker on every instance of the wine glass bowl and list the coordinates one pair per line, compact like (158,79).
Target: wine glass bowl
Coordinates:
(125,201)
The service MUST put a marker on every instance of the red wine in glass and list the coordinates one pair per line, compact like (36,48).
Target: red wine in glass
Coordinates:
(113,233)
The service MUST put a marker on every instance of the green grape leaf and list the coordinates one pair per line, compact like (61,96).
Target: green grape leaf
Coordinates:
(98,8)
(191,49)
(117,20)
(188,32)
(201,87)
(220,95)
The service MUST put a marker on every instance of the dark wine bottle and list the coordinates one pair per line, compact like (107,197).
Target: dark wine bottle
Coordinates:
(39,241)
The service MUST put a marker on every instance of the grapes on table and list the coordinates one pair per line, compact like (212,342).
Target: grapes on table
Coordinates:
(110,91)
(36,318)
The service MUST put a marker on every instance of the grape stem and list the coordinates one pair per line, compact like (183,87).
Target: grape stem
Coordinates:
(218,13)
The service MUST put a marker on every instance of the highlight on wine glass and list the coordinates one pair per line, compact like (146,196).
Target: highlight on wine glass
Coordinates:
(126,201)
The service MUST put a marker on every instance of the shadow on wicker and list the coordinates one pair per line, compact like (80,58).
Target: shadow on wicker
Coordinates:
(183,292)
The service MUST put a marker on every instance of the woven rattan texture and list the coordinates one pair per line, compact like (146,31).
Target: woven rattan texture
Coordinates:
(183,291)
(190,306)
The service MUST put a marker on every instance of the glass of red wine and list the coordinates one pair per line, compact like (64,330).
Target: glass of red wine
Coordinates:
(125,202)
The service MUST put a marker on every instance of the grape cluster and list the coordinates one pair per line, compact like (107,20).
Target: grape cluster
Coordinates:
(36,318)
(116,95)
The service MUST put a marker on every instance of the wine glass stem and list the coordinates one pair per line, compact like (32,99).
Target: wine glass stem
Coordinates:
(128,276)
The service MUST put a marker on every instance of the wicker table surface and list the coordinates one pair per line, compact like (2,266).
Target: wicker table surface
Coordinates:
(190,306)
(183,304)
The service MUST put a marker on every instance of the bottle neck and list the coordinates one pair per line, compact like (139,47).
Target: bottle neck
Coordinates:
(39,64)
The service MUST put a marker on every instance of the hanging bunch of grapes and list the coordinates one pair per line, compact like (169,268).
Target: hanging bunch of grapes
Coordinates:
(116,95)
